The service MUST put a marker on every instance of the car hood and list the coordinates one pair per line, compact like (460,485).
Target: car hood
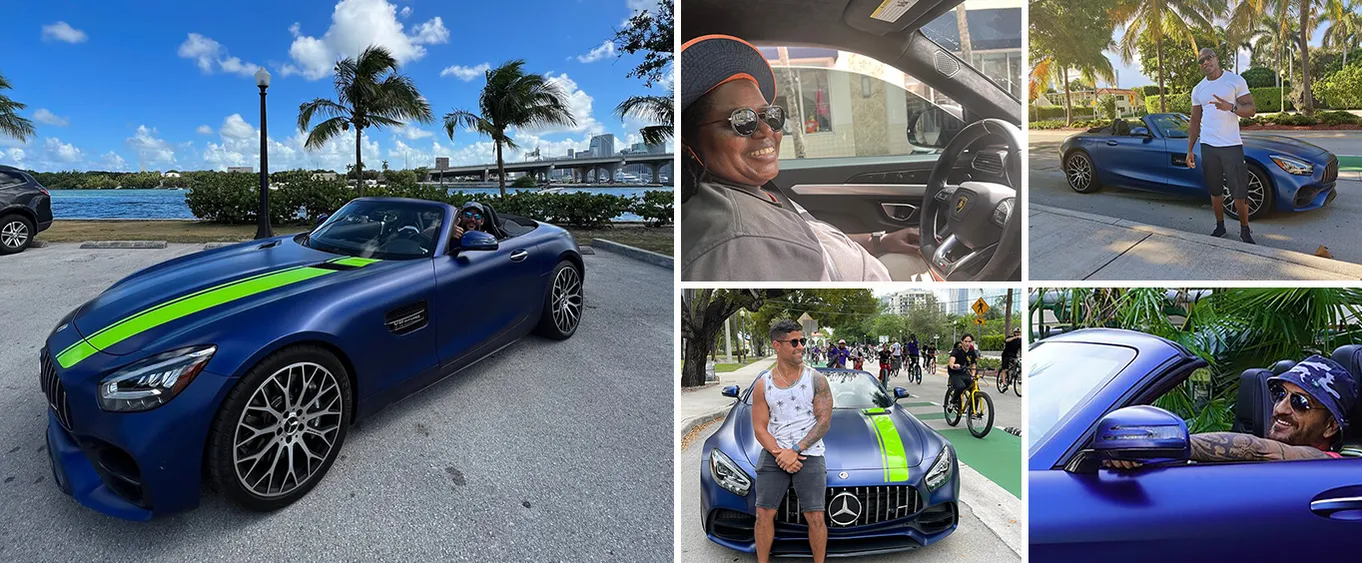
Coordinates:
(134,311)
(852,441)
(1278,144)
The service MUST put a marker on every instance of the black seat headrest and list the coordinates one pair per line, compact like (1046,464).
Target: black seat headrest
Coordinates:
(493,222)
(1350,357)
(1282,366)
(1253,407)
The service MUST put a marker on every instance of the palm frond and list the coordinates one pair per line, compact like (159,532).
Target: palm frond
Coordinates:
(325,131)
(326,107)
(10,123)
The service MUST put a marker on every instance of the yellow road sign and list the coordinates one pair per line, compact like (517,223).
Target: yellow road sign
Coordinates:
(980,307)
(978,320)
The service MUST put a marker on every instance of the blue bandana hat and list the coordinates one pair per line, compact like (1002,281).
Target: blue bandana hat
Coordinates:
(1326,381)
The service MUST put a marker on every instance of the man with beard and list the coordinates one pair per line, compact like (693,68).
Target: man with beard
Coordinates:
(473,216)
(1310,410)
(791,411)
(1218,101)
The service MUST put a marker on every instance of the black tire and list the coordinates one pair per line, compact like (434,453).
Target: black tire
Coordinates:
(1080,172)
(980,424)
(231,417)
(1261,193)
(16,233)
(1002,380)
(1016,381)
(557,321)
(950,408)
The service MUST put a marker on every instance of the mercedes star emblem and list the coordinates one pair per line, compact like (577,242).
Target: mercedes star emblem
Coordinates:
(846,508)
(843,475)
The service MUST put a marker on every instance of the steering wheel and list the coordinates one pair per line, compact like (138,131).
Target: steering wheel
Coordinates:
(983,221)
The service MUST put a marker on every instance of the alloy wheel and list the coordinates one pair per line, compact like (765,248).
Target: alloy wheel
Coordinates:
(567,300)
(1257,194)
(287,430)
(14,234)
(1079,172)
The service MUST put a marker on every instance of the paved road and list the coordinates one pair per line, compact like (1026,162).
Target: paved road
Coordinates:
(521,457)
(1335,226)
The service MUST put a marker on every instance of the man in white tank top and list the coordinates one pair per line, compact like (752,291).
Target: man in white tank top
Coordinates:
(791,412)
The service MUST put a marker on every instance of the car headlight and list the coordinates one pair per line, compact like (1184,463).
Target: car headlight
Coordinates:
(727,474)
(152,382)
(941,470)
(1293,165)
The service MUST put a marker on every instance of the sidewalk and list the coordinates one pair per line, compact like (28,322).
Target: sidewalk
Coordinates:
(1072,245)
(701,405)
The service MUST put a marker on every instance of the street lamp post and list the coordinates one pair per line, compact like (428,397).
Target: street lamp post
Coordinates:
(262,229)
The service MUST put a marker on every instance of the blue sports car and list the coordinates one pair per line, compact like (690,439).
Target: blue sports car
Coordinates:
(246,365)
(1091,400)
(1151,154)
(893,482)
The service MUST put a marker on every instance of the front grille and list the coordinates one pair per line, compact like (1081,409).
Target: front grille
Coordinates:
(1331,171)
(878,504)
(55,393)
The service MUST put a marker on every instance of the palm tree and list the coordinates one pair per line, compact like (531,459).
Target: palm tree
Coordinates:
(657,109)
(1066,35)
(1157,18)
(1345,25)
(512,98)
(10,122)
(370,93)
(1273,28)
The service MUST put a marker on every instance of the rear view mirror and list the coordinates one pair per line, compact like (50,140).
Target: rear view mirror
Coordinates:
(731,391)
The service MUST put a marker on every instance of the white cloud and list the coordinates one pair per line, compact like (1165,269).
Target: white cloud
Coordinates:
(405,12)
(204,130)
(16,154)
(205,52)
(412,133)
(61,152)
(234,127)
(355,25)
(44,116)
(112,162)
(605,50)
(62,31)
(579,103)
(151,150)
(466,73)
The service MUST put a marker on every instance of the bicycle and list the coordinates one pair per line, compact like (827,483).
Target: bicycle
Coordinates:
(978,413)
(915,373)
(897,366)
(1013,378)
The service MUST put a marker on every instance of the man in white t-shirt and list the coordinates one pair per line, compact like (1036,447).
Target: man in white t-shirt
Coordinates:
(1218,101)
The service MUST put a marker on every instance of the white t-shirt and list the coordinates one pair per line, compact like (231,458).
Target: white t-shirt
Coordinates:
(1219,128)
(792,411)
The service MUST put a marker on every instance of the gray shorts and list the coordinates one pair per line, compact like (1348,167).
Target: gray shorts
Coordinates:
(810,483)
(1224,166)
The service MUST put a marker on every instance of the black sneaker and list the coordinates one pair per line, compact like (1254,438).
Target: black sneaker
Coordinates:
(1219,231)
(1246,236)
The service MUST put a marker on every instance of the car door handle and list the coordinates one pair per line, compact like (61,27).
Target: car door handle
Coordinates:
(1330,506)
(520,255)
(1111,143)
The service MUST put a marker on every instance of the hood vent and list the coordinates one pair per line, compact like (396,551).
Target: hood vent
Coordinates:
(337,266)
(407,319)
(270,244)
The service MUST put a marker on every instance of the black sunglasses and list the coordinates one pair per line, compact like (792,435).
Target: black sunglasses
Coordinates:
(473,214)
(746,120)
(1299,402)
(795,342)
(1203,60)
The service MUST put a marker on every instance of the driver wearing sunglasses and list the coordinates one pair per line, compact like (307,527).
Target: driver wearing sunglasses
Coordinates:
(733,225)
(1310,406)
(472,217)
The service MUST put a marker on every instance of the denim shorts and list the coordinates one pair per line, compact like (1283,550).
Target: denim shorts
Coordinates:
(810,483)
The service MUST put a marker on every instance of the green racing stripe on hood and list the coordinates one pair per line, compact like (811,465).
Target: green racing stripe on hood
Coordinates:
(188,305)
(891,445)
(355,261)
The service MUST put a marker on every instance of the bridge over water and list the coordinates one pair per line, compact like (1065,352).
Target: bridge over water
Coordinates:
(599,170)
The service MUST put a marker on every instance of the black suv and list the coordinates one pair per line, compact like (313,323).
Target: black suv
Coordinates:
(25,209)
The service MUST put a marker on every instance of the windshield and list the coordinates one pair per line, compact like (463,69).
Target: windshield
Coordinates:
(990,40)
(1062,375)
(1173,126)
(852,390)
(386,230)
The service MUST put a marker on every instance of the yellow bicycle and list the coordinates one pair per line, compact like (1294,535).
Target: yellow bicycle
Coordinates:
(975,405)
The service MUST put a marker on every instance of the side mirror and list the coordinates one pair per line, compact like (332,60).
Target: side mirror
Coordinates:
(934,128)
(1141,132)
(477,240)
(731,391)
(319,220)
(1141,433)
(900,393)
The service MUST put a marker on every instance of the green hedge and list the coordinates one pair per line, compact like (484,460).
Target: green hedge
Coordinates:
(1260,77)
(1057,112)
(1178,102)
(1147,90)
(1324,117)
(1267,100)
(991,342)
(1077,124)
(1342,89)
(295,197)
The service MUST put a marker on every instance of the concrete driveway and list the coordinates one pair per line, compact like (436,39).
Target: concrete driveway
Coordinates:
(546,451)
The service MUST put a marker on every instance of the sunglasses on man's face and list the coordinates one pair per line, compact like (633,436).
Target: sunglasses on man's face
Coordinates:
(1299,402)
(1203,60)
(473,215)
(745,121)
(795,342)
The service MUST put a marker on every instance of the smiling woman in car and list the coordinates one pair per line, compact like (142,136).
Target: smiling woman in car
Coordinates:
(734,226)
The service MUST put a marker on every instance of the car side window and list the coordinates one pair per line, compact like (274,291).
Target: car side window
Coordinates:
(7,179)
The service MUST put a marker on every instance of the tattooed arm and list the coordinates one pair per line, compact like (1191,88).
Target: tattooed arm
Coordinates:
(822,410)
(1231,446)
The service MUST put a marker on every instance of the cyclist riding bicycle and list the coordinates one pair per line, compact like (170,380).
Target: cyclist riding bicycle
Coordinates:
(885,359)
(962,358)
(912,350)
(1011,351)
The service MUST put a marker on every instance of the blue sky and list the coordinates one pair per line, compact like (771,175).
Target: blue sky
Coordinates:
(169,85)
(1130,75)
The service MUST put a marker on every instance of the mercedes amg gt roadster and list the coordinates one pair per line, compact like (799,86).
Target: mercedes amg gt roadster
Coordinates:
(1151,154)
(893,482)
(246,365)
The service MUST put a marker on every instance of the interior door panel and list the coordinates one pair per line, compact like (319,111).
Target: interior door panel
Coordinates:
(854,196)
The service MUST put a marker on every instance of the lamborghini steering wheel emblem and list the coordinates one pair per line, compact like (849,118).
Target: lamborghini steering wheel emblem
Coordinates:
(960,204)
(846,508)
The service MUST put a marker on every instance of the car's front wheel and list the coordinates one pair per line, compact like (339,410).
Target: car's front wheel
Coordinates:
(1261,196)
(280,429)
(1080,172)
(16,233)
(563,304)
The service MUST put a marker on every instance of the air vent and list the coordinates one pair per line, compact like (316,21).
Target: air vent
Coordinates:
(339,267)
(407,319)
(946,64)
(989,162)
(270,244)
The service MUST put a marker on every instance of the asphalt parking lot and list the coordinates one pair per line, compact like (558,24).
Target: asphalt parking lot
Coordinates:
(1335,226)
(545,451)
